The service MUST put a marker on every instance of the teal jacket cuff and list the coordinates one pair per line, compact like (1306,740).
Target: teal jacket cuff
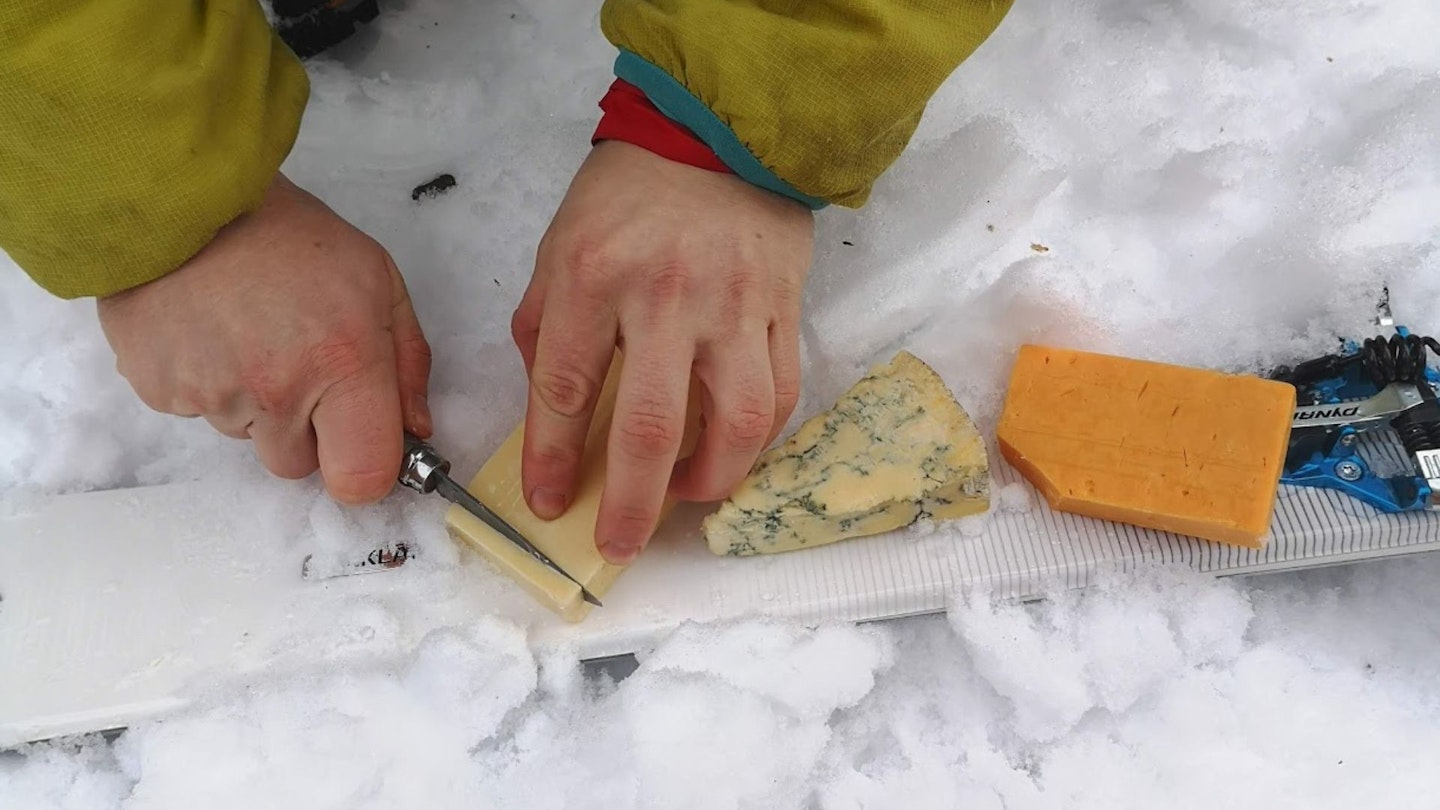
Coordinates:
(679,105)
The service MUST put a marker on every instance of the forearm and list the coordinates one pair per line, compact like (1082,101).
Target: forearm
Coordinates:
(815,101)
(130,132)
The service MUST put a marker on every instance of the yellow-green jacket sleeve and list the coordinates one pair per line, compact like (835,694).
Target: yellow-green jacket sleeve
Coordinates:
(814,99)
(132,130)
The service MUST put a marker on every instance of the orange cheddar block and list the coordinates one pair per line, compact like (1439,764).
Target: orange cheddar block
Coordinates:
(1166,447)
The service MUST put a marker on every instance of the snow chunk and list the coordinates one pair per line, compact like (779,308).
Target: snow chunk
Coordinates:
(1014,497)
(765,690)
(807,673)
(1106,648)
(473,679)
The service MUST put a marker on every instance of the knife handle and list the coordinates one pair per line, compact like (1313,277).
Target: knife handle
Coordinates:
(422,467)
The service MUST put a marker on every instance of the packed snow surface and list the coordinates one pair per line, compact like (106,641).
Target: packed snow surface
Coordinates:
(1196,182)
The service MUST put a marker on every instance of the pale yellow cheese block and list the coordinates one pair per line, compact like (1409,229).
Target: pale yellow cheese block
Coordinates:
(569,540)
(895,448)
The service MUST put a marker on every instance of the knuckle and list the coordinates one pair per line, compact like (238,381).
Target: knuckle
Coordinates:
(343,354)
(632,520)
(587,262)
(648,432)
(150,385)
(740,288)
(271,393)
(361,487)
(553,458)
(545,246)
(154,400)
(565,390)
(787,287)
(289,462)
(670,281)
(417,349)
(199,399)
(787,394)
(522,323)
(148,390)
(746,425)
(293,470)
(786,294)
(127,369)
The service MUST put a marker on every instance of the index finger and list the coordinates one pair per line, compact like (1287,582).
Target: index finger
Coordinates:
(645,439)
(575,346)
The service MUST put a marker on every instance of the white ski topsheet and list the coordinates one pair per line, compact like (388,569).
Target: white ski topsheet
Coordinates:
(115,606)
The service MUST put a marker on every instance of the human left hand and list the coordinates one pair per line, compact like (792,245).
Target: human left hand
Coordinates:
(692,270)
(292,329)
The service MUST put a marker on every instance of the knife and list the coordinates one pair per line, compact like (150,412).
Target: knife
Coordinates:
(425,470)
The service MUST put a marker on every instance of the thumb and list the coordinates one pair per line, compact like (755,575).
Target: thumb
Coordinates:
(412,358)
(357,426)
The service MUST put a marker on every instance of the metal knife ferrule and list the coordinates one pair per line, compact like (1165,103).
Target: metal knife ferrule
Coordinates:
(424,467)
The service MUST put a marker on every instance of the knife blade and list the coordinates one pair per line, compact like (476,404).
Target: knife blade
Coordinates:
(425,470)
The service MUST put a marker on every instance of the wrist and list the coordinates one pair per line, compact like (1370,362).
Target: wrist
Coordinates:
(244,227)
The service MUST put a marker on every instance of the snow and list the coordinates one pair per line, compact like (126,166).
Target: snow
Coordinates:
(1166,180)
(1162,688)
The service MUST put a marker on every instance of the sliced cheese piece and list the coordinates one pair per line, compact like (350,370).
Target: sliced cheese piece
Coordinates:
(894,448)
(569,540)
(1166,447)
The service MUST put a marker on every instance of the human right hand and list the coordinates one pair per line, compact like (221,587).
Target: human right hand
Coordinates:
(691,271)
(290,328)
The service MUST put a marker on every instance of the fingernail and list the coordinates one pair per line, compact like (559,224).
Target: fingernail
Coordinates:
(420,414)
(619,553)
(547,502)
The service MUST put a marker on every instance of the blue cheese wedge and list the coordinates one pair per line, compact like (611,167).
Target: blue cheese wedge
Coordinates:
(894,449)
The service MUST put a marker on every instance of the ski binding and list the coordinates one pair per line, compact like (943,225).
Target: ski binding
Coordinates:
(1370,387)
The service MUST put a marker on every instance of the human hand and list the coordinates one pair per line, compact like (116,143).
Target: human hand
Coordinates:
(293,329)
(686,269)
